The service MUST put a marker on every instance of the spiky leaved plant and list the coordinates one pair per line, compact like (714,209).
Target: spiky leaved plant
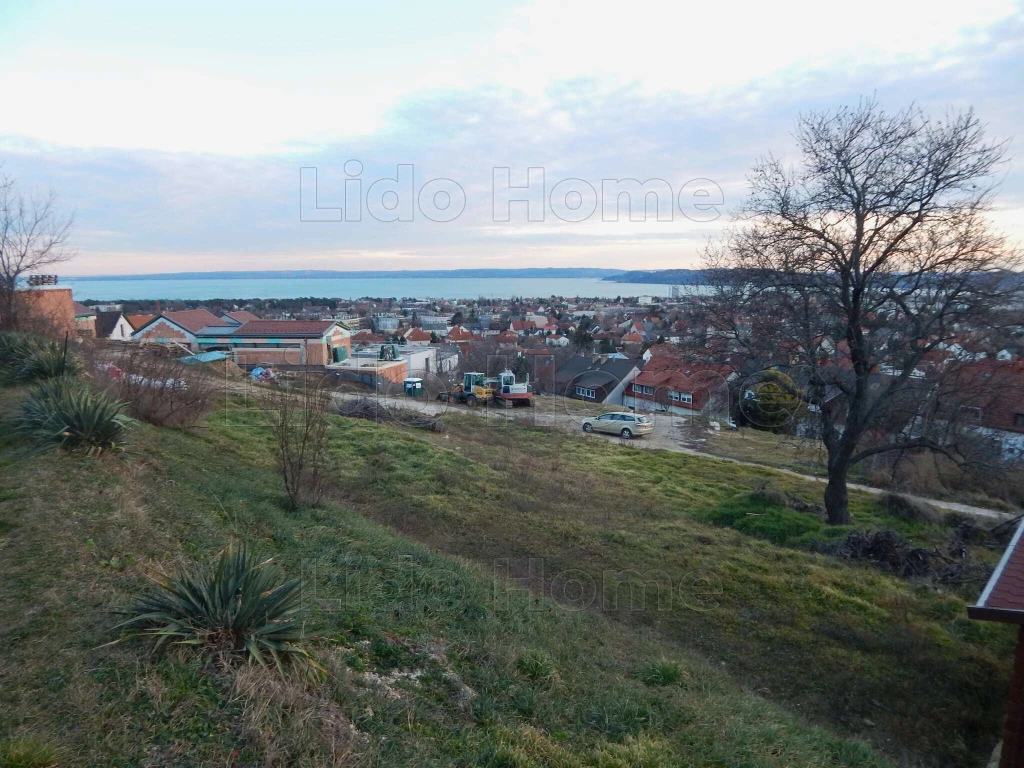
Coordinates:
(68,413)
(43,359)
(241,607)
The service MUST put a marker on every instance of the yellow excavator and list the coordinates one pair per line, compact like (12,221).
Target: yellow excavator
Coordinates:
(472,391)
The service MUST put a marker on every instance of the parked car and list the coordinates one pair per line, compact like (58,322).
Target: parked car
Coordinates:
(625,425)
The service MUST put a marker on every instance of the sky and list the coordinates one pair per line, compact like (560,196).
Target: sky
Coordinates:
(177,133)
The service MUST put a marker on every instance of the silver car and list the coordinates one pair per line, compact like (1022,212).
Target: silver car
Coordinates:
(624,424)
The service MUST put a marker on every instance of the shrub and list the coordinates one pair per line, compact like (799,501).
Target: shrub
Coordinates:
(663,672)
(537,666)
(241,607)
(67,413)
(159,389)
(15,347)
(49,360)
(297,415)
(30,358)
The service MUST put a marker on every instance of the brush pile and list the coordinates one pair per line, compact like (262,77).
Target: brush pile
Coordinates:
(892,552)
(371,409)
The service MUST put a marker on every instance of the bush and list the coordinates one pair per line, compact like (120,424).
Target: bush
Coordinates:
(663,672)
(239,608)
(31,358)
(537,666)
(297,414)
(67,413)
(15,347)
(159,389)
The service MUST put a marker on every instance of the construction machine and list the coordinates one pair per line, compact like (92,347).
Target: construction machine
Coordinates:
(472,391)
(508,393)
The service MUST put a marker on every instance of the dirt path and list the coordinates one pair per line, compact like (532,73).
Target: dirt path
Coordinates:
(666,436)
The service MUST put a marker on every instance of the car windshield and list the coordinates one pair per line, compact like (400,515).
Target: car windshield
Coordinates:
(641,419)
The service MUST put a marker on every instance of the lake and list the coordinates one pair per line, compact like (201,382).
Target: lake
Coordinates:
(199,289)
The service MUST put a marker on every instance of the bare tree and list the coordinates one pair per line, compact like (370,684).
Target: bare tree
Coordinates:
(856,269)
(297,414)
(34,234)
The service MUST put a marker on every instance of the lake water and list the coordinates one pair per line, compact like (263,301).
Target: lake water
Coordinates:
(201,289)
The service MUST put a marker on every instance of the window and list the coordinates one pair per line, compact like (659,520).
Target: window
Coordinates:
(971,413)
(640,389)
(680,397)
(584,392)
(1018,419)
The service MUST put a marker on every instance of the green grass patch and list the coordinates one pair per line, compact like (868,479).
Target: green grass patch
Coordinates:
(443,646)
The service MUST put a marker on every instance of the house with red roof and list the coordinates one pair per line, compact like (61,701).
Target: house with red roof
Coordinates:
(669,383)
(460,334)
(416,336)
(507,337)
(523,327)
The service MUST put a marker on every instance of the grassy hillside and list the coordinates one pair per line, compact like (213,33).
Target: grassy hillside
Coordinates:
(782,657)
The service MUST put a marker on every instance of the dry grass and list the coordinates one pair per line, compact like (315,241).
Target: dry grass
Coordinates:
(292,724)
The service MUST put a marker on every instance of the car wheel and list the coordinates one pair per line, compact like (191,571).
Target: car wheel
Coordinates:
(471,401)
(588,428)
(626,434)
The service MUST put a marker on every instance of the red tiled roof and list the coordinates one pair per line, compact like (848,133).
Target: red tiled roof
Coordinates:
(242,316)
(194,320)
(1003,598)
(137,321)
(683,377)
(458,333)
(417,334)
(81,309)
(284,328)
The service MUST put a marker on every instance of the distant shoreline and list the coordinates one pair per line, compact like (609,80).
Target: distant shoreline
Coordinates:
(661,277)
(538,272)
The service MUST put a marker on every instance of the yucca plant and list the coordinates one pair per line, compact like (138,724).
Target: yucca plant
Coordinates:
(44,359)
(68,413)
(15,347)
(241,607)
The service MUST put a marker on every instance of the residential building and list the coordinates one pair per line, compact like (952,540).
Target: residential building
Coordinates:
(672,385)
(113,326)
(595,379)
(387,322)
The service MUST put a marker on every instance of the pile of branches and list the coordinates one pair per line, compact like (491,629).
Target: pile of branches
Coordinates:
(373,410)
(886,549)
(892,552)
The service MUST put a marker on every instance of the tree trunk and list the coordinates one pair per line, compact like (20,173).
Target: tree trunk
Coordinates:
(837,505)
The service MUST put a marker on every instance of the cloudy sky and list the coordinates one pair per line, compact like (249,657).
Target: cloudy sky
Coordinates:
(177,134)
